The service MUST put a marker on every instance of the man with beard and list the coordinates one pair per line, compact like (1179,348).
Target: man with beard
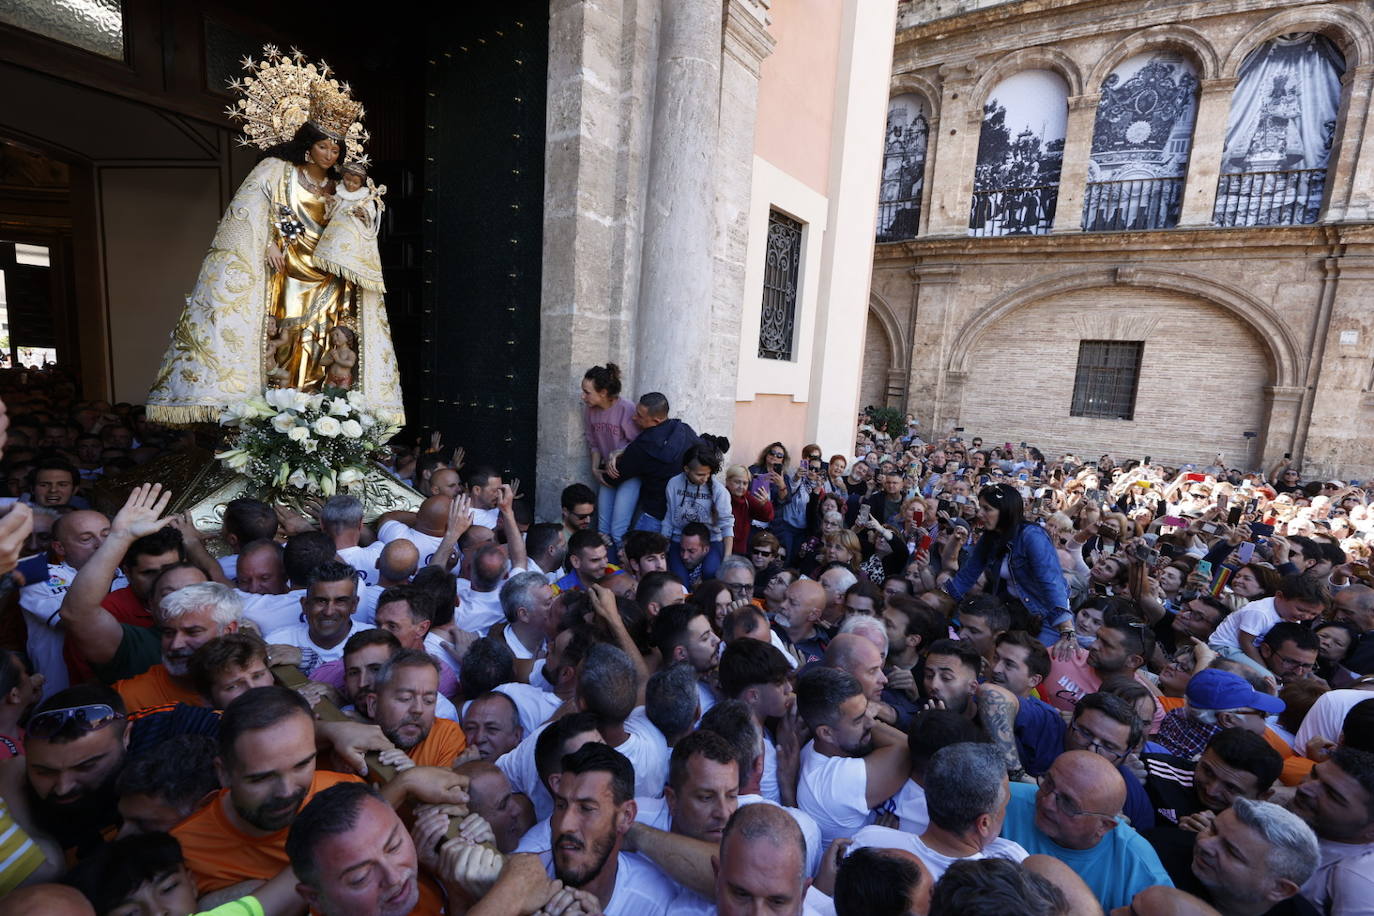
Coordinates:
(853,764)
(1021,663)
(796,621)
(1337,802)
(402,704)
(683,633)
(62,792)
(1252,859)
(186,620)
(594,807)
(950,681)
(266,763)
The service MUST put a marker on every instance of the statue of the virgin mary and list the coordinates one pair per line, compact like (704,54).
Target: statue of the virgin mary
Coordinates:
(268,309)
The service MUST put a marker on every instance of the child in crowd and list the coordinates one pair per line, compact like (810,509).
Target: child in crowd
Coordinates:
(696,496)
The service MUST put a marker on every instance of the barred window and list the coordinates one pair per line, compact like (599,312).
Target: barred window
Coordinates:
(1107,378)
(780,273)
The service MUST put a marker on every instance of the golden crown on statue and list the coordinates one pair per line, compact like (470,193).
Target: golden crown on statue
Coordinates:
(284,91)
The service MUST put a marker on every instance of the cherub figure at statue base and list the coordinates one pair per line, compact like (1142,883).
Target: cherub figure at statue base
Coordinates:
(341,358)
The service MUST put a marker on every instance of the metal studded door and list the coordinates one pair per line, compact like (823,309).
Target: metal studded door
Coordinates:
(484,217)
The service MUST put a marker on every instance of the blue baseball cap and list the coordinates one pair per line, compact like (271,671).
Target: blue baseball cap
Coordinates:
(1212,688)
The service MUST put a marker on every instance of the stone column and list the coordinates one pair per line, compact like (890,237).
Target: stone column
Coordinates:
(933,289)
(673,334)
(583,314)
(1204,164)
(1073,176)
(953,150)
(746,44)
(1349,180)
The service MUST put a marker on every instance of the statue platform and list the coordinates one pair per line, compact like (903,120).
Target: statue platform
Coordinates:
(202,487)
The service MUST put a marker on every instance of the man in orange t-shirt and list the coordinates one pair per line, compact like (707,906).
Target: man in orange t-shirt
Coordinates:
(187,619)
(266,764)
(402,703)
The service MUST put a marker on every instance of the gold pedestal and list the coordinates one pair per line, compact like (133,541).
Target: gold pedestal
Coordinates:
(202,487)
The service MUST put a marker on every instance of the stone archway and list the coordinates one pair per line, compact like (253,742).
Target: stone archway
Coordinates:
(885,367)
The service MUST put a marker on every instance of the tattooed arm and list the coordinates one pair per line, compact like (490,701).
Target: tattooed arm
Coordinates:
(997,709)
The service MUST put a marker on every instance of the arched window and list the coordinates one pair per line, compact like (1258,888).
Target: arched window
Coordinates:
(904,167)
(1141,141)
(1020,154)
(1279,137)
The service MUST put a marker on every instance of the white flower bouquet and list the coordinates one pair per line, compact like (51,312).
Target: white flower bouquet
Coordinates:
(296,444)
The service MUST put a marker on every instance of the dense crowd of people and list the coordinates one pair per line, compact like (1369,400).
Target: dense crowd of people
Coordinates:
(918,677)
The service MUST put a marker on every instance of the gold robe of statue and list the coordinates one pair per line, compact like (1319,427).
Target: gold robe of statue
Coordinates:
(223,348)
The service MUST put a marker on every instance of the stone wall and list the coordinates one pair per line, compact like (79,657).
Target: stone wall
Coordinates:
(1263,328)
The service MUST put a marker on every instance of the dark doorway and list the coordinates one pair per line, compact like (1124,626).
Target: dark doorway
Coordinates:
(484,219)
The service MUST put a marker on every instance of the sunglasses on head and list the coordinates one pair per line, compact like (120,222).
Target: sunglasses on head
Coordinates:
(86,718)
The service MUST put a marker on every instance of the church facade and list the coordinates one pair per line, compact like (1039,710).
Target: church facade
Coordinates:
(1143,230)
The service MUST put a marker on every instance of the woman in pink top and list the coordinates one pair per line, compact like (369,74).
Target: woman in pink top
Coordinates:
(610,425)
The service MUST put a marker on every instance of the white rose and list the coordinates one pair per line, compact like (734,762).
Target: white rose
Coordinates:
(367,420)
(283,422)
(327,427)
(355,398)
(348,477)
(297,479)
(308,401)
(351,429)
(298,434)
(339,407)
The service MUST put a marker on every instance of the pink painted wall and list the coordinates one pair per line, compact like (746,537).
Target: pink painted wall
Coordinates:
(766,419)
(797,90)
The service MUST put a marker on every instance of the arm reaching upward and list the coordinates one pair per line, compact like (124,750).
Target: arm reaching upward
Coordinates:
(94,630)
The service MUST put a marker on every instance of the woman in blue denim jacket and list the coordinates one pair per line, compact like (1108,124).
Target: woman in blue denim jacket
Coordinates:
(1019,559)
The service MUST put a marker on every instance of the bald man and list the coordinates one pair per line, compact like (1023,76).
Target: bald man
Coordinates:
(762,864)
(857,656)
(1075,816)
(76,537)
(1164,901)
(796,621)
(397,563)
(47,900)
(424,528)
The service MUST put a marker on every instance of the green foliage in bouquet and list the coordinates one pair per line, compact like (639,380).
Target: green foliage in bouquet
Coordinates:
(297,445)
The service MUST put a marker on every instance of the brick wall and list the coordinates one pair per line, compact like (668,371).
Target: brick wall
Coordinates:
(1201,376)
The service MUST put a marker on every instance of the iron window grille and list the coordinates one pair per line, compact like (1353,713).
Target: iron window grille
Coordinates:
(1107,379)
(780,273)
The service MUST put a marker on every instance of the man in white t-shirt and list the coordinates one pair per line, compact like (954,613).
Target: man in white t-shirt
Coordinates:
(341,518)
(527,604)
(1299,599)
(245,521)
(302,556)
(594,808)
(75,539)
(329,603)
(853,763)
(967,793)
(479,598)
(547,547)
(424,528)
(483,488)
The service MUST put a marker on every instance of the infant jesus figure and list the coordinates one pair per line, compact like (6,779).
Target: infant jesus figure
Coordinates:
(348,247)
